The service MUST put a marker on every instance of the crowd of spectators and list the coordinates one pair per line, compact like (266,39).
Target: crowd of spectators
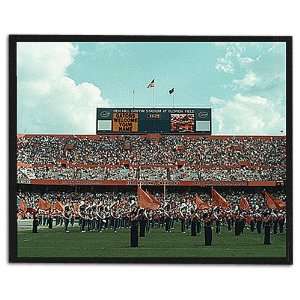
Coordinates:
(153,174)
(133,156)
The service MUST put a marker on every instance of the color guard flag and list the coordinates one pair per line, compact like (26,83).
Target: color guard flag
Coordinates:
(244,204)
(272,202)
(171,91)
(200,203)
(22,206)
(269,201)
(145,200)
(279,203)
(218,200)
(151,84)
(58,205)
(43,204)
(154,200)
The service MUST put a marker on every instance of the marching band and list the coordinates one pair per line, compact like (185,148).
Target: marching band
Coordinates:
(97,216)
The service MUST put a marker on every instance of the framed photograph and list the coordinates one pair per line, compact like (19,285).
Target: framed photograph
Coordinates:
(150,149)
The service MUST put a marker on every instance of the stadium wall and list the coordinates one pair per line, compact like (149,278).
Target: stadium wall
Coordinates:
(48,182)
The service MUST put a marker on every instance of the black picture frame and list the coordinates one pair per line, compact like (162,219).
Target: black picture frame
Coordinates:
(14,39)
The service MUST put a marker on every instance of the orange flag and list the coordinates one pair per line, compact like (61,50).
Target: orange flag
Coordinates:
(58,205)
(244,204)
(156,201)
(145,200)
(200,203)
(279,203)
(218,200)
(273,202)
(269,201)
(22,206)
(43,204)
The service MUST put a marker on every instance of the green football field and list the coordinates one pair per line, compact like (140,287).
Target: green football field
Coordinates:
(157,243)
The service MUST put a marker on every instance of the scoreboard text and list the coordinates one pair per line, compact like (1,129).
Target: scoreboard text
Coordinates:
(154,120)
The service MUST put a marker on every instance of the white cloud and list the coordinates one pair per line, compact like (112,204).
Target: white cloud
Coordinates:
(225,65)
(216,101)
(48,100)
(246,60)
(249,81)
(247,115)
(232,54)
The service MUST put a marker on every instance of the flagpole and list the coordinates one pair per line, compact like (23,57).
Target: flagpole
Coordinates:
(133,98)
(153,96)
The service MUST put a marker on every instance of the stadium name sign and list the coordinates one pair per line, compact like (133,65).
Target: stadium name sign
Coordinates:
(153,120)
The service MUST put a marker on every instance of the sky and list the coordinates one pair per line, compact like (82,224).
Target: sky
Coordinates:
(60,85)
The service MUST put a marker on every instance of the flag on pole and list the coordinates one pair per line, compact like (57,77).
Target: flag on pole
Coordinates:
(22,206)
(151,84)
(279,203)
(200,203)
(244,204)
(43,204)
(272,202)
(145,200)
(59,206)
(218,200)
(171,91)
(269,201)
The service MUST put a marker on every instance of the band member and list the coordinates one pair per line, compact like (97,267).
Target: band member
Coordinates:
(217,218)
(107,218)
(149,220)
(35,222)
(275,223)
(143,221)
(198,223)
(172,220)
(81,214)
(267,220)
(72,220)
(229,221)
(134,225)
(237,225)
(94,218)
(116,218)
(167,218)
(45,219)
(56,215)
(61,219)
(194,223)
(89,219)
(252,222)
(99,219)
(40,217)
(207,229)
(242,223)
(258,223)
(50,219)
(67,216)
(182,217)
(281,220)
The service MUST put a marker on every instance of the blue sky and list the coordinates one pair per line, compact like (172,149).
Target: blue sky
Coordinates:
(61,84)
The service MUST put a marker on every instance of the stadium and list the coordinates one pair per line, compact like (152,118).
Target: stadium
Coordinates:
(164,165)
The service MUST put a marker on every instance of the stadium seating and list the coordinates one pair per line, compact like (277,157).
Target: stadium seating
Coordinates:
(173,158)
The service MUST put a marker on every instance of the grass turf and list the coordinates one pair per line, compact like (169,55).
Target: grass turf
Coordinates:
(157,243)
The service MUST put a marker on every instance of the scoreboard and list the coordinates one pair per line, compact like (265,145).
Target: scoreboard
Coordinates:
(153,120)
